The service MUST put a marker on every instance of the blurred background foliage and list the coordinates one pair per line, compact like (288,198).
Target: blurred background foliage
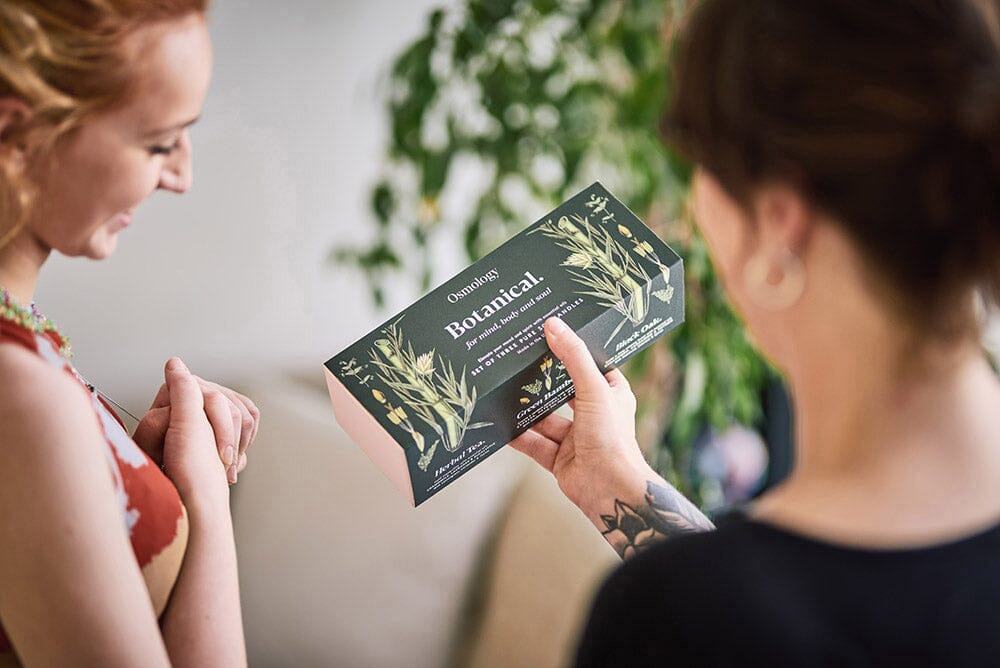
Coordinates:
(503,109)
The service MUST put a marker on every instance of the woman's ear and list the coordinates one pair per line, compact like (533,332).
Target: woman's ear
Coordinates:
(15,115)
(784,217)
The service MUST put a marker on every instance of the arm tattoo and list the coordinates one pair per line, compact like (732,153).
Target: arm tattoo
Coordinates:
(666,513)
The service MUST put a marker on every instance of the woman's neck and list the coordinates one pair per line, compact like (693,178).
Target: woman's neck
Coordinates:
(876,384)
(20,263)
(896,437)
(865,404)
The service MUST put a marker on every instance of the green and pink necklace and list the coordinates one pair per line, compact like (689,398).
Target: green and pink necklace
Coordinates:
(32,319)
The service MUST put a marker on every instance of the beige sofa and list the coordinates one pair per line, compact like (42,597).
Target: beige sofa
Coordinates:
(337,570)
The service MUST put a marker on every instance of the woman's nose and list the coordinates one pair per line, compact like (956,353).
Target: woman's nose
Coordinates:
(176,174)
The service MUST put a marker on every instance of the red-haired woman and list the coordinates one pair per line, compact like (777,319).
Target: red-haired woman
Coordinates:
(112,554)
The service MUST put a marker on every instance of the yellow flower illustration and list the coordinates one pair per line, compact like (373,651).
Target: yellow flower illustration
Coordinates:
(397,415)
(581,260)
(379,397)
(425,364)
(534,387)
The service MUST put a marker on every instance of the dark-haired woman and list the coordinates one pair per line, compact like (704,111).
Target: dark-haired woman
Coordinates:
(848,186)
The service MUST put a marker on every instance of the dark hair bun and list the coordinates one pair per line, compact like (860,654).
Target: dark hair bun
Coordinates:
(978,115)
(977,167)
(886,113)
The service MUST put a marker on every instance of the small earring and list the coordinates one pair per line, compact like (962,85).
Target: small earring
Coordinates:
(775,295)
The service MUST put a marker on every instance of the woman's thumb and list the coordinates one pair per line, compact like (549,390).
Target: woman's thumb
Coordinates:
(573,353)
(151,431)
(186,401)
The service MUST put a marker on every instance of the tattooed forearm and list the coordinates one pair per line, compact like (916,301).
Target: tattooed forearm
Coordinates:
(664,514)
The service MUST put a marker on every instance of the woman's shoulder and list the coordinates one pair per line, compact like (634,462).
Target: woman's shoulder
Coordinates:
(703,569)
(734,531)
(758,559)
(655,607)
(686,567)
(42,406)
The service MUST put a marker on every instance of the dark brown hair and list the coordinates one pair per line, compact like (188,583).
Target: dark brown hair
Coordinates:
(885,113)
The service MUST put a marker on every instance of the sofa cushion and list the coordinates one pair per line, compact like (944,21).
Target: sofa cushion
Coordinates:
(335,567)
(537,583)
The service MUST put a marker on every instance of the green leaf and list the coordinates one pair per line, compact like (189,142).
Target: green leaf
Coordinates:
(633,48)
(434,172)
(544,7)
(414,63)
(490,12)
(471,237)
(378,256)
(383,202)
(434,22)
(426,276)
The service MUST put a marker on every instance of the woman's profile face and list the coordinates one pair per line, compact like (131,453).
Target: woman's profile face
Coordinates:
(103,170)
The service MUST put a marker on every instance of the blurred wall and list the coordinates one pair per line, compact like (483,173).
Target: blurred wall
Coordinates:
(232,276)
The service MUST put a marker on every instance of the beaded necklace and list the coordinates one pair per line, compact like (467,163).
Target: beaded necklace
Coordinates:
(32,319)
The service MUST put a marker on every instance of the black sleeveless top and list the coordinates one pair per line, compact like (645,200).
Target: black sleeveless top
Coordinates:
(753,594)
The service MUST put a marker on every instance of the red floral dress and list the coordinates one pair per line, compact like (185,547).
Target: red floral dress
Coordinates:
(152,512)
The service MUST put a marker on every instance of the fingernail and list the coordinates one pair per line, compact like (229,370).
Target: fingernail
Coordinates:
(175,364)
(232,475)
(556,325)
(228,455)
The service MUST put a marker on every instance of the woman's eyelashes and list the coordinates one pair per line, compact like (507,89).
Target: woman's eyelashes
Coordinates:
(165,149)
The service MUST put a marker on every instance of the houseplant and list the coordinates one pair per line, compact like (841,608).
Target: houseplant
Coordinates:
(501,110)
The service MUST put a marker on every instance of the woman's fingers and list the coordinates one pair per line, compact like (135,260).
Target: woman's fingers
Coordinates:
(241,421)
(234,418)
(553,427)
(162,398)
(543,450)
(251,420)
(621,390)
(226,422)
(617,380)
(248,415)
(151,431)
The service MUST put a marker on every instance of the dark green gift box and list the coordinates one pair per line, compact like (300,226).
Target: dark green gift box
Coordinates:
(458,374)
